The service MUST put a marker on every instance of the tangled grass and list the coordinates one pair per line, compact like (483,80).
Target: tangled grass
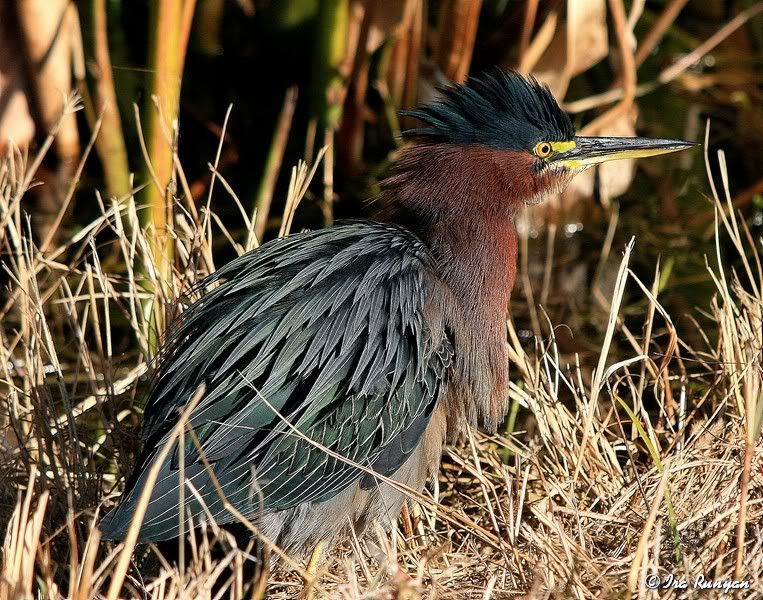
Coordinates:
(645,462)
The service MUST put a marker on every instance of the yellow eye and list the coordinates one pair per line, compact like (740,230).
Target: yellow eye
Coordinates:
(543,150)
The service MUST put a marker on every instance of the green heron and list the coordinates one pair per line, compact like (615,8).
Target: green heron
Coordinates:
(375,340)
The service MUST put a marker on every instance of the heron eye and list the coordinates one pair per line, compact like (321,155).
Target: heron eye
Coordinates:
(543,150)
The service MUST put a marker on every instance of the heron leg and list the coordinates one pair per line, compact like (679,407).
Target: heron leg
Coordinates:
(312,571)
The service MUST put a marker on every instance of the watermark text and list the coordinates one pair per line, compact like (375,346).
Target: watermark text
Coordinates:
(700,582)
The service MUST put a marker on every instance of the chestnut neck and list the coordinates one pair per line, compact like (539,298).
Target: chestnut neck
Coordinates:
(461,202)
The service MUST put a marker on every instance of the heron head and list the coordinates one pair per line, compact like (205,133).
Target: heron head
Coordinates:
(515,124)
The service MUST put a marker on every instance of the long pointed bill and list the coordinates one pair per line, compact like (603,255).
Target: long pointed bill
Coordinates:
(589,151)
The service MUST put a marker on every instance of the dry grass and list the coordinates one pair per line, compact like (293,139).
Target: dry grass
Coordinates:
(638,463)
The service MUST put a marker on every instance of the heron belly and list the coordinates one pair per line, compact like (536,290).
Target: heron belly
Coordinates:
(297,530)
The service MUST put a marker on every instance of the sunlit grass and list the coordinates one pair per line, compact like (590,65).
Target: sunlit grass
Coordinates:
(647,461)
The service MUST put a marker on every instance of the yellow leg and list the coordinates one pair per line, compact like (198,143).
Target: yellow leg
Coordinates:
(315,557)
(312,571)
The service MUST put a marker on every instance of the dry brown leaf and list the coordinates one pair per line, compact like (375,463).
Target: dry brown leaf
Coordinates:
(457,31)
(386,18)
(15,121)
(578,46)
(48,28)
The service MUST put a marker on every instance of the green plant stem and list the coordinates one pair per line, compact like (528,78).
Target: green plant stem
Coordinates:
(332,67)
(170,24)
(273,163)
(330,53)
(110,144)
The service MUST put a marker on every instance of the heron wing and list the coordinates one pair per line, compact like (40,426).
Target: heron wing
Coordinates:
(318,356)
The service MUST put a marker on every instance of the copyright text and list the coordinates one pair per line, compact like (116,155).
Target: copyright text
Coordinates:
(669,581)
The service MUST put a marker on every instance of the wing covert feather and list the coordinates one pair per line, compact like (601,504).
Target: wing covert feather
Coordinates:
(343,351)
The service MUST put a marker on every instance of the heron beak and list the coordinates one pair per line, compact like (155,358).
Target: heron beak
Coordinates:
(589,151)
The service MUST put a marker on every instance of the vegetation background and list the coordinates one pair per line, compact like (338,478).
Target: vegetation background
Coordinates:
(144,142)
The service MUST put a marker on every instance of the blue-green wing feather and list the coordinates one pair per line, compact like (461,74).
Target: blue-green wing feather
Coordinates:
(319,340)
